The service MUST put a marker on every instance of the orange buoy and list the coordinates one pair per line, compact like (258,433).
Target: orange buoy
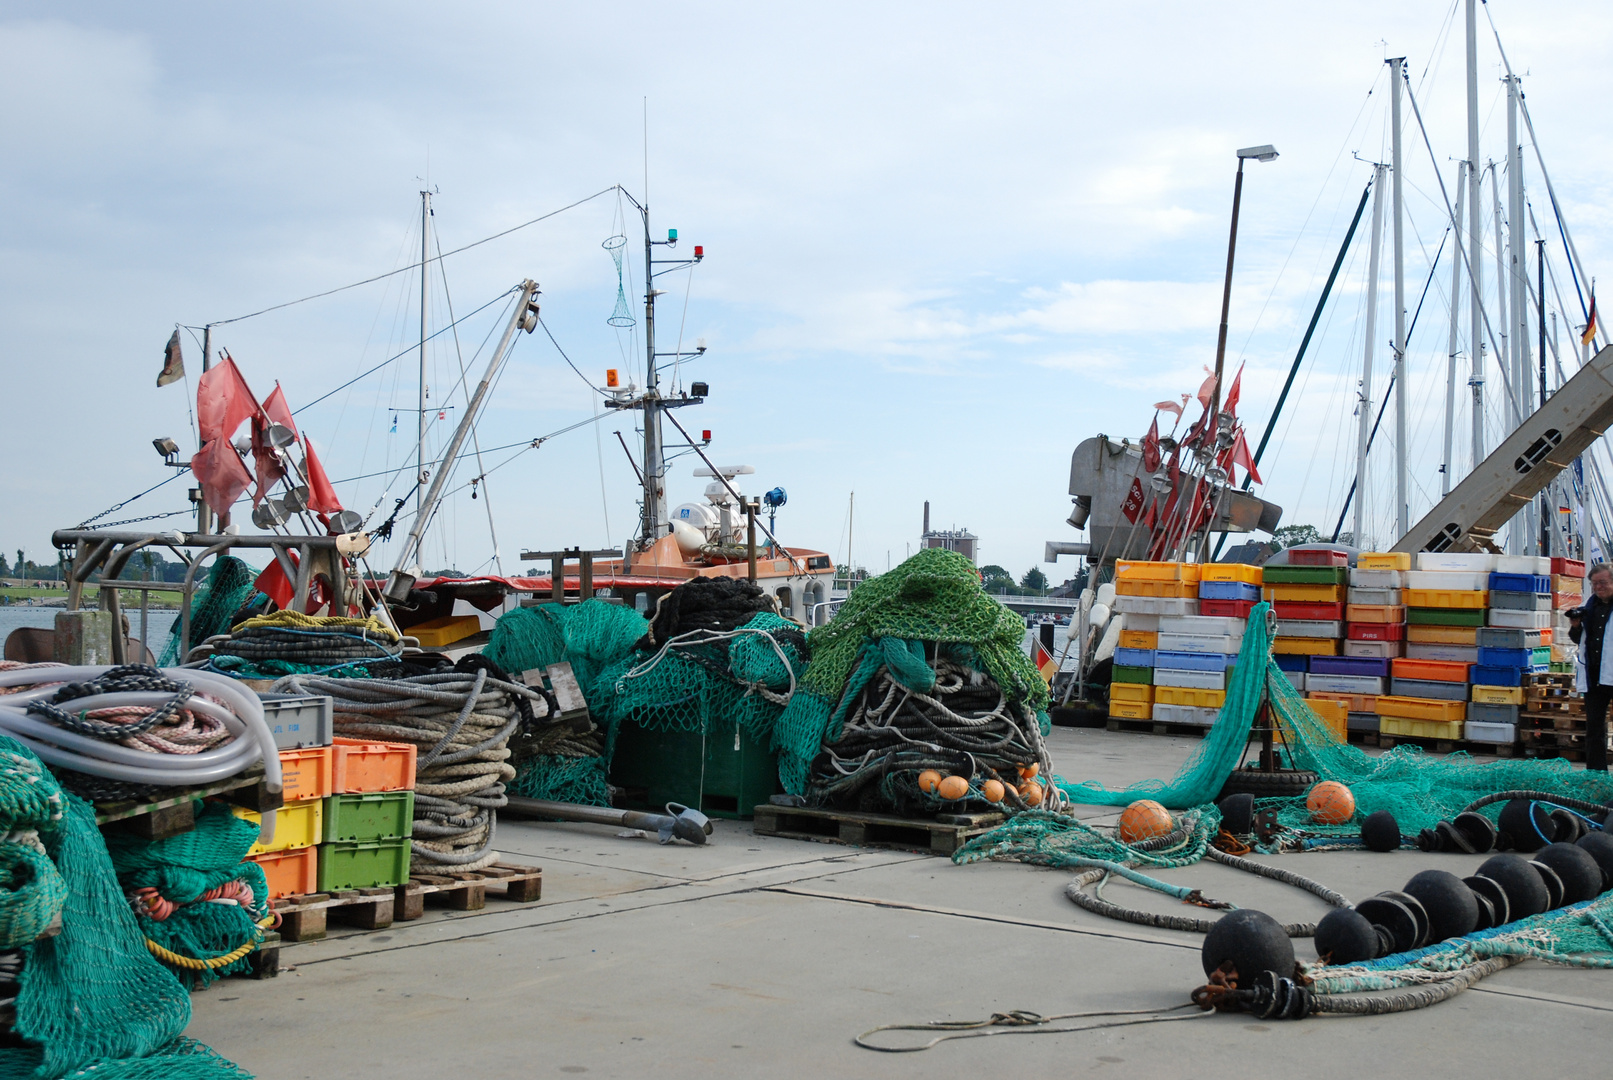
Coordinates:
(1330,803)
(993,790)
(1143,820)
(1028,771)
(1031,792)
(929,780)
(953,788)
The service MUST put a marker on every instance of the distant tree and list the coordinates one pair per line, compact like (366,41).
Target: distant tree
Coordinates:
(1294,535)
(1034,579)
(996,579)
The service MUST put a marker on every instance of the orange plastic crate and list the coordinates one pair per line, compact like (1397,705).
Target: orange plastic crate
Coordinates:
(306,772)
(1383,560)
(1335,714)
(1374,613)
(1459,599)
(1413,708)
(1434,670)
(1222,571)
(1443,635)
(1306,646)
(1351,702)
(360,765)
(1303,594)
(1562,583)
(1139,639)
(290,873)
(1184,695)
(1150,587)
(1133,570)
(1131,710)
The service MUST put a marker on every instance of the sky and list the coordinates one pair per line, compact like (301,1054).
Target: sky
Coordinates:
(944,244)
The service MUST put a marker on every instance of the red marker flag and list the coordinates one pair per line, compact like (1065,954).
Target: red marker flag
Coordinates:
(1242,457)
(1230,407)
(1151,456)
(321,495)
(1207,388)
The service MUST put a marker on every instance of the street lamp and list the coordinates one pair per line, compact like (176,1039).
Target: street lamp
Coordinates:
(1258,153)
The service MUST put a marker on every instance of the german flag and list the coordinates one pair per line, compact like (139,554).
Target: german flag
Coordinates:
(1590,321)
(1045,662)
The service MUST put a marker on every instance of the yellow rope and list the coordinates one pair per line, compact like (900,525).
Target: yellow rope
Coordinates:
(296,620)
(168,956)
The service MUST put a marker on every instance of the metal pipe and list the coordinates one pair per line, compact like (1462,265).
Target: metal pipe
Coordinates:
(1402,496)
(1447,466)
(1364,432)
(420,415)
(1517,254)
(1474,237)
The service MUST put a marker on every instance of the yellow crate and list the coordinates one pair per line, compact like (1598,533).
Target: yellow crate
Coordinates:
(1420,729)
(1132,570)
(1335,715)
(1183,695)
(297,824)
(1456,599)
(1414,708)
(1351,702)
(1383,560)
(1562,583)
(1231,571)
(1131,710)
(1130,691)
(1374,613)
(1150,587)
(1443,635)
(1306,646)
(1498,695)
(1139,639)
(442,632)
(1303,594)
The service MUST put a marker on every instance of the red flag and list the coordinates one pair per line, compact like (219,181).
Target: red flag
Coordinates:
(321,495)
(268,467)
(1230,406)
(1134,501)
(1171,406)
(223,400)
(275,407)
(1151,446)
(1241,456)
(219,470)
(1206,388)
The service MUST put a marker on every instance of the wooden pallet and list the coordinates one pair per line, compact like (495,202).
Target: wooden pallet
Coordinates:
(941,835)
(1450,746)
(1154,727)
(1559,679)
(307,917)
(468,891)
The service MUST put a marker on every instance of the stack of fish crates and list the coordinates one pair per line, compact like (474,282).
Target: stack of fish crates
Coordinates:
(1374,633)
(1195,654)
(1567,591)
(1446,599)
(1307,596)
(302,727)
(1514,643)
(369,815)
(1146,592)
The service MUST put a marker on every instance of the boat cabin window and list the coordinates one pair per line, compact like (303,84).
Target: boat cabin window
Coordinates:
(785,601)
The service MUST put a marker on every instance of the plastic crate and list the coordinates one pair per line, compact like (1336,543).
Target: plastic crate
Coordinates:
(1392,614)
(1309,628)
(1123,691)
(1498,695)
(1410,708)
(294,872)
(1383,560)
(1297,679)
(1375,631)
(1305,575)
(1377,579)
(1561,601)
(1501,734)
(1522,564)
(1375,648)
(1134,657)
(1344,665)
(298,720)
(1491,675)
(1289,610)
(1521,601)
(1202,625)
(1135,570)
(1187,695)
(1238,572)
(296,825)
(1138,675)
(1448,599)
(1223,644)
(1356,703)
(1562,583)
(1197,716)
(359,765)
(1377,597)
(1195,661)
(1446,579)
(1234,609)
(1293,663)
(306,773)
(1228,590)
(363,864)
(1318,681)
(1195,680)
(1131,710)
(1460,654)
(1496,657)
(1139,639)
(1301,646)
(1303,594)
(1318,557)
(1505,637)
(1162,589)
(1461,561)
(1149,623)
(1431,670)
(1573,568)
(1444,617)
(1432,691)
(1335,714)
(1443,635)
(1490,713)
(723,774)
(374,815)
(1363,721)
(441,632)
(1420,729)
(1523,620)
(1156,605)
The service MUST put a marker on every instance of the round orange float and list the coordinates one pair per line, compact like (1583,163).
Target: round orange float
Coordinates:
(1330,803)
(1029,771)
(1143,820)
(953,788)
(1031,792)
(993,790)
(929,780)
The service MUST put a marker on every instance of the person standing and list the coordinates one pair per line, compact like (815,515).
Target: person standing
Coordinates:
(1588,627)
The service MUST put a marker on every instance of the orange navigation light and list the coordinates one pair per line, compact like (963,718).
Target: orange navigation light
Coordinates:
(611,378)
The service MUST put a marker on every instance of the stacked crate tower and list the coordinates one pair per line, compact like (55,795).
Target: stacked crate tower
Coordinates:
(1375,636)
(1183,628)
(1446,599)
(1567,591)
(1307,595)
(1514,643)
(302,729)
(369,815)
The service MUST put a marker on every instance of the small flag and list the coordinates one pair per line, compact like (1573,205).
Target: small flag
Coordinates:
(1584,339)
(1045,662)
(173,364)
(1151,457)
(441,415)
(1230,406)
(394,423)
(1242,457)
(1171,406)
(1207,388)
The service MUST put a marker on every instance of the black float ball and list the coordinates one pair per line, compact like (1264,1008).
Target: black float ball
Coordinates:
(1600,847)
(1395,919)
(1580,873)
(1478,830)
(1569,825)
(1526,892)
(1494,899)
(1345,936)
(1250,941)
(1553,883)
(1380,831)
(1526,825)
(1452,911)
(1238,813)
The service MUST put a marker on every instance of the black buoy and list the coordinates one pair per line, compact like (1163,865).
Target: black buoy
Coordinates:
(1553,883)
(1569,826)
(1487,916)
(1600,847)
(1452,911)
(1251,942)
(1238,813)
(1526,826)
(1345,936)
(1394,918)
(1580,873)
(1478,830)
(1526,892)
(1494,896)
(1380,831)
(1420,913)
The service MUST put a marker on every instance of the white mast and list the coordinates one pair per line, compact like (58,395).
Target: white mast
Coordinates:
(1503,346)
(420,413)
(1517,245)
(1475,238)
(1365,406)
(1402,518)
(1451,350)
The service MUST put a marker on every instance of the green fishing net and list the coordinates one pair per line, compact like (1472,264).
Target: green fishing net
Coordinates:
(228,585)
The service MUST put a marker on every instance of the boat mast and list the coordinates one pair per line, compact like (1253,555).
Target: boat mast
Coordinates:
(1364,408)
(1402,517)
(1449,465)
(420,413)
(654,518)
(1475,238)
(1518,253)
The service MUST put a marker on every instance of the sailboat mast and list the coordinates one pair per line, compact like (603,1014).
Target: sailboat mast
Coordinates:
(1365,407)
(1475,239)
(1518,254)
(420,413)
(1402,515)
(1449,465)
(654,521)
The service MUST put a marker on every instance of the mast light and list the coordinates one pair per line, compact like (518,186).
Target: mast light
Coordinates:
(612,379)
(672,236)
(699,252)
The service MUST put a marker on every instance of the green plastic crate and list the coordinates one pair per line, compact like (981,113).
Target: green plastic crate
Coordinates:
(1428,616)
(1132,674)
(724,774)
(375,815)
(363,864)
(1305,575)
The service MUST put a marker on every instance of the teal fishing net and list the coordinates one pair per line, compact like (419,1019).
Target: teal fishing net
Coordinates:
(228,585)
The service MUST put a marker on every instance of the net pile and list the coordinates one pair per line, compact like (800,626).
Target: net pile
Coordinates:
(228,586)
(291,643)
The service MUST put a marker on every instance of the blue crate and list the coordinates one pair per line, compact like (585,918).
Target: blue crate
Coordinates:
(1518,658)
(1291,662)
(1490,675)
(1530,583)
(1182,661)
(1350,665)
(1135,658)
(1228,590)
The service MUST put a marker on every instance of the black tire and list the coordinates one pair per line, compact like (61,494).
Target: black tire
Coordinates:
(1282,784)
(1075,716)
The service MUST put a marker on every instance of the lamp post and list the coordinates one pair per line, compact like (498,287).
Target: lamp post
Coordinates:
(1258,153)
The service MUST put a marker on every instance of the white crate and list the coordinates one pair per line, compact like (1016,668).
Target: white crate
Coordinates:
(1194,680)
(1157,605)
(1522,564)
(1199,643)
(1374,648)
(1470,562)
(1297,678)
(1448,579)
(1479,732)
(1147,624)
(1310,628)
(1377,579)
(1462,654)
(1528,620)
(1197,715)
(1204,625)
(1385,597)
(1345,684)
